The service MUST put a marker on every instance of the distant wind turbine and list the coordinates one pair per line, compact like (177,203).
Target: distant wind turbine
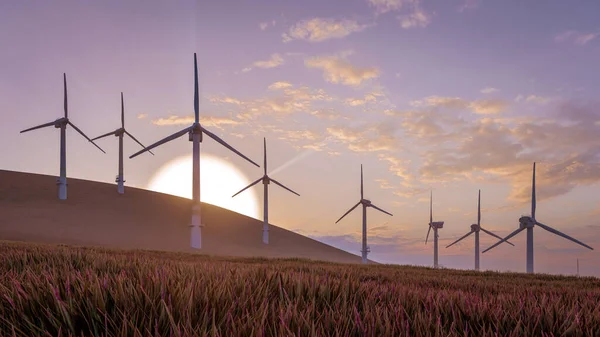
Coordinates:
(528,222)
(435,225)
(61,124)
(475,228)
(195,132)
(120,133)
(265,180)
(365,203)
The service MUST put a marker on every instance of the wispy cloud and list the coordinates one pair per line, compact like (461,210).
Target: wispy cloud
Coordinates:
(207,121)
(337,69)
(384,6)
(576,37)
(489,90)
(274,61)
(264,25)
(483,106)
(418,18)
(142,116)
(321,29)
(533,99)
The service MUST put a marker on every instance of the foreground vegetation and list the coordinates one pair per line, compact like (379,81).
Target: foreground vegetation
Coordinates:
(71,291)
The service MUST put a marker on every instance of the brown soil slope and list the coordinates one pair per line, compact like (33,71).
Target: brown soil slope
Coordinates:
(95,214)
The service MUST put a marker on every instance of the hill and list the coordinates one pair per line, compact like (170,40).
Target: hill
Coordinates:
(95,214)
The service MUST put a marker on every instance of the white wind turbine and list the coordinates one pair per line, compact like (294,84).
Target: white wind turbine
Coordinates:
(435,225)
(365,203)
(475,228)
(121,132)
(528,222)
(195,132)
(265,180)
(61,124)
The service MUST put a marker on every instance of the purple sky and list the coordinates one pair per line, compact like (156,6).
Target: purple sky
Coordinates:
(451,95)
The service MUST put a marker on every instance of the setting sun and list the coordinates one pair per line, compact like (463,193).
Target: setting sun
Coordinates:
(219,180)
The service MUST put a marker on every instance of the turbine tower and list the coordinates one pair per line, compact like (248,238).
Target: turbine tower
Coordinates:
(475,228)
(265,180)
(365,203)
(121,132)
(195,132)
(435,225)
(528,222)
(61,124)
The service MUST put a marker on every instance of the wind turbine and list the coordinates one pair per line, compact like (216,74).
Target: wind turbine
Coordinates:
(475,228)
(195,132)
(435,225)
(61,124)
(528,222)
(265,180)
(365,203)
(121,132)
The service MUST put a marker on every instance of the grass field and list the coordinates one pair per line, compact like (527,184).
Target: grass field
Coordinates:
(74,291)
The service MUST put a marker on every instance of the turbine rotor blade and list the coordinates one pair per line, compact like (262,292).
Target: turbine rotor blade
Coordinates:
(506,238)
(222,142)
(247,187)
(122,112)
(361,183)
(39,126)
(533,201)
(137,141)
(554,231)
(265,140)
(429,230)
(350,210)
(494,235)
(196,95)
(379,209)
(65,89)
(464,236)
(104,135)
(430,207)
(479,209)
(162,141)
(281,185)
(86,137)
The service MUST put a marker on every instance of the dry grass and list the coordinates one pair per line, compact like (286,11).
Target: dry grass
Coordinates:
(71,291)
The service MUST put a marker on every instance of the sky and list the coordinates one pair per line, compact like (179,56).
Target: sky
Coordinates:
(451,96)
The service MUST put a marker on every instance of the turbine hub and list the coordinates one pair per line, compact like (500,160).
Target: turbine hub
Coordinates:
(437,224)
(61,122)
(266,180)
(475,227)
(196,130)
(526,222)
(366,202)
(119,132)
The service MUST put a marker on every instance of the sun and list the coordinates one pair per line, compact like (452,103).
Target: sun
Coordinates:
(219,180)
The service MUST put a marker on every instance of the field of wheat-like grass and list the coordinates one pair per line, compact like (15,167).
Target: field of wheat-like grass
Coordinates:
(75,291)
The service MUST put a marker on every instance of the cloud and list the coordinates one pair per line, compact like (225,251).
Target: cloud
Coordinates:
(273,62)
(537,99)
(468,5)
(142,116)
(418,18)
(337,69)
(489,90)
(384,6)
(188,120)
(264,25)
(576,37)
(321,29)
(280,85)
(367,138)
(484,106)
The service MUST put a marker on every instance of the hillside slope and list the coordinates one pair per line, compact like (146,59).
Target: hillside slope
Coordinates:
(95,214)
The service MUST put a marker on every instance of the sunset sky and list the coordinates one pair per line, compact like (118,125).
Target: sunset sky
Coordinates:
(454,96)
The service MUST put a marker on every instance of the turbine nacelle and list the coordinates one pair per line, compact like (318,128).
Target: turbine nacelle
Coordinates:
(63,121)
(437,224)
(526,222)
(119,132)
(366,202)
(266,180)
(196,129)
(475,228)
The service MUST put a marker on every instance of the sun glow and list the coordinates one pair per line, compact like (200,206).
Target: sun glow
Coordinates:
(219,180)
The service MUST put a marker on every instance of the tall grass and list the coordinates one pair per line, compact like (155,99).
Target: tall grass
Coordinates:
(70,291)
